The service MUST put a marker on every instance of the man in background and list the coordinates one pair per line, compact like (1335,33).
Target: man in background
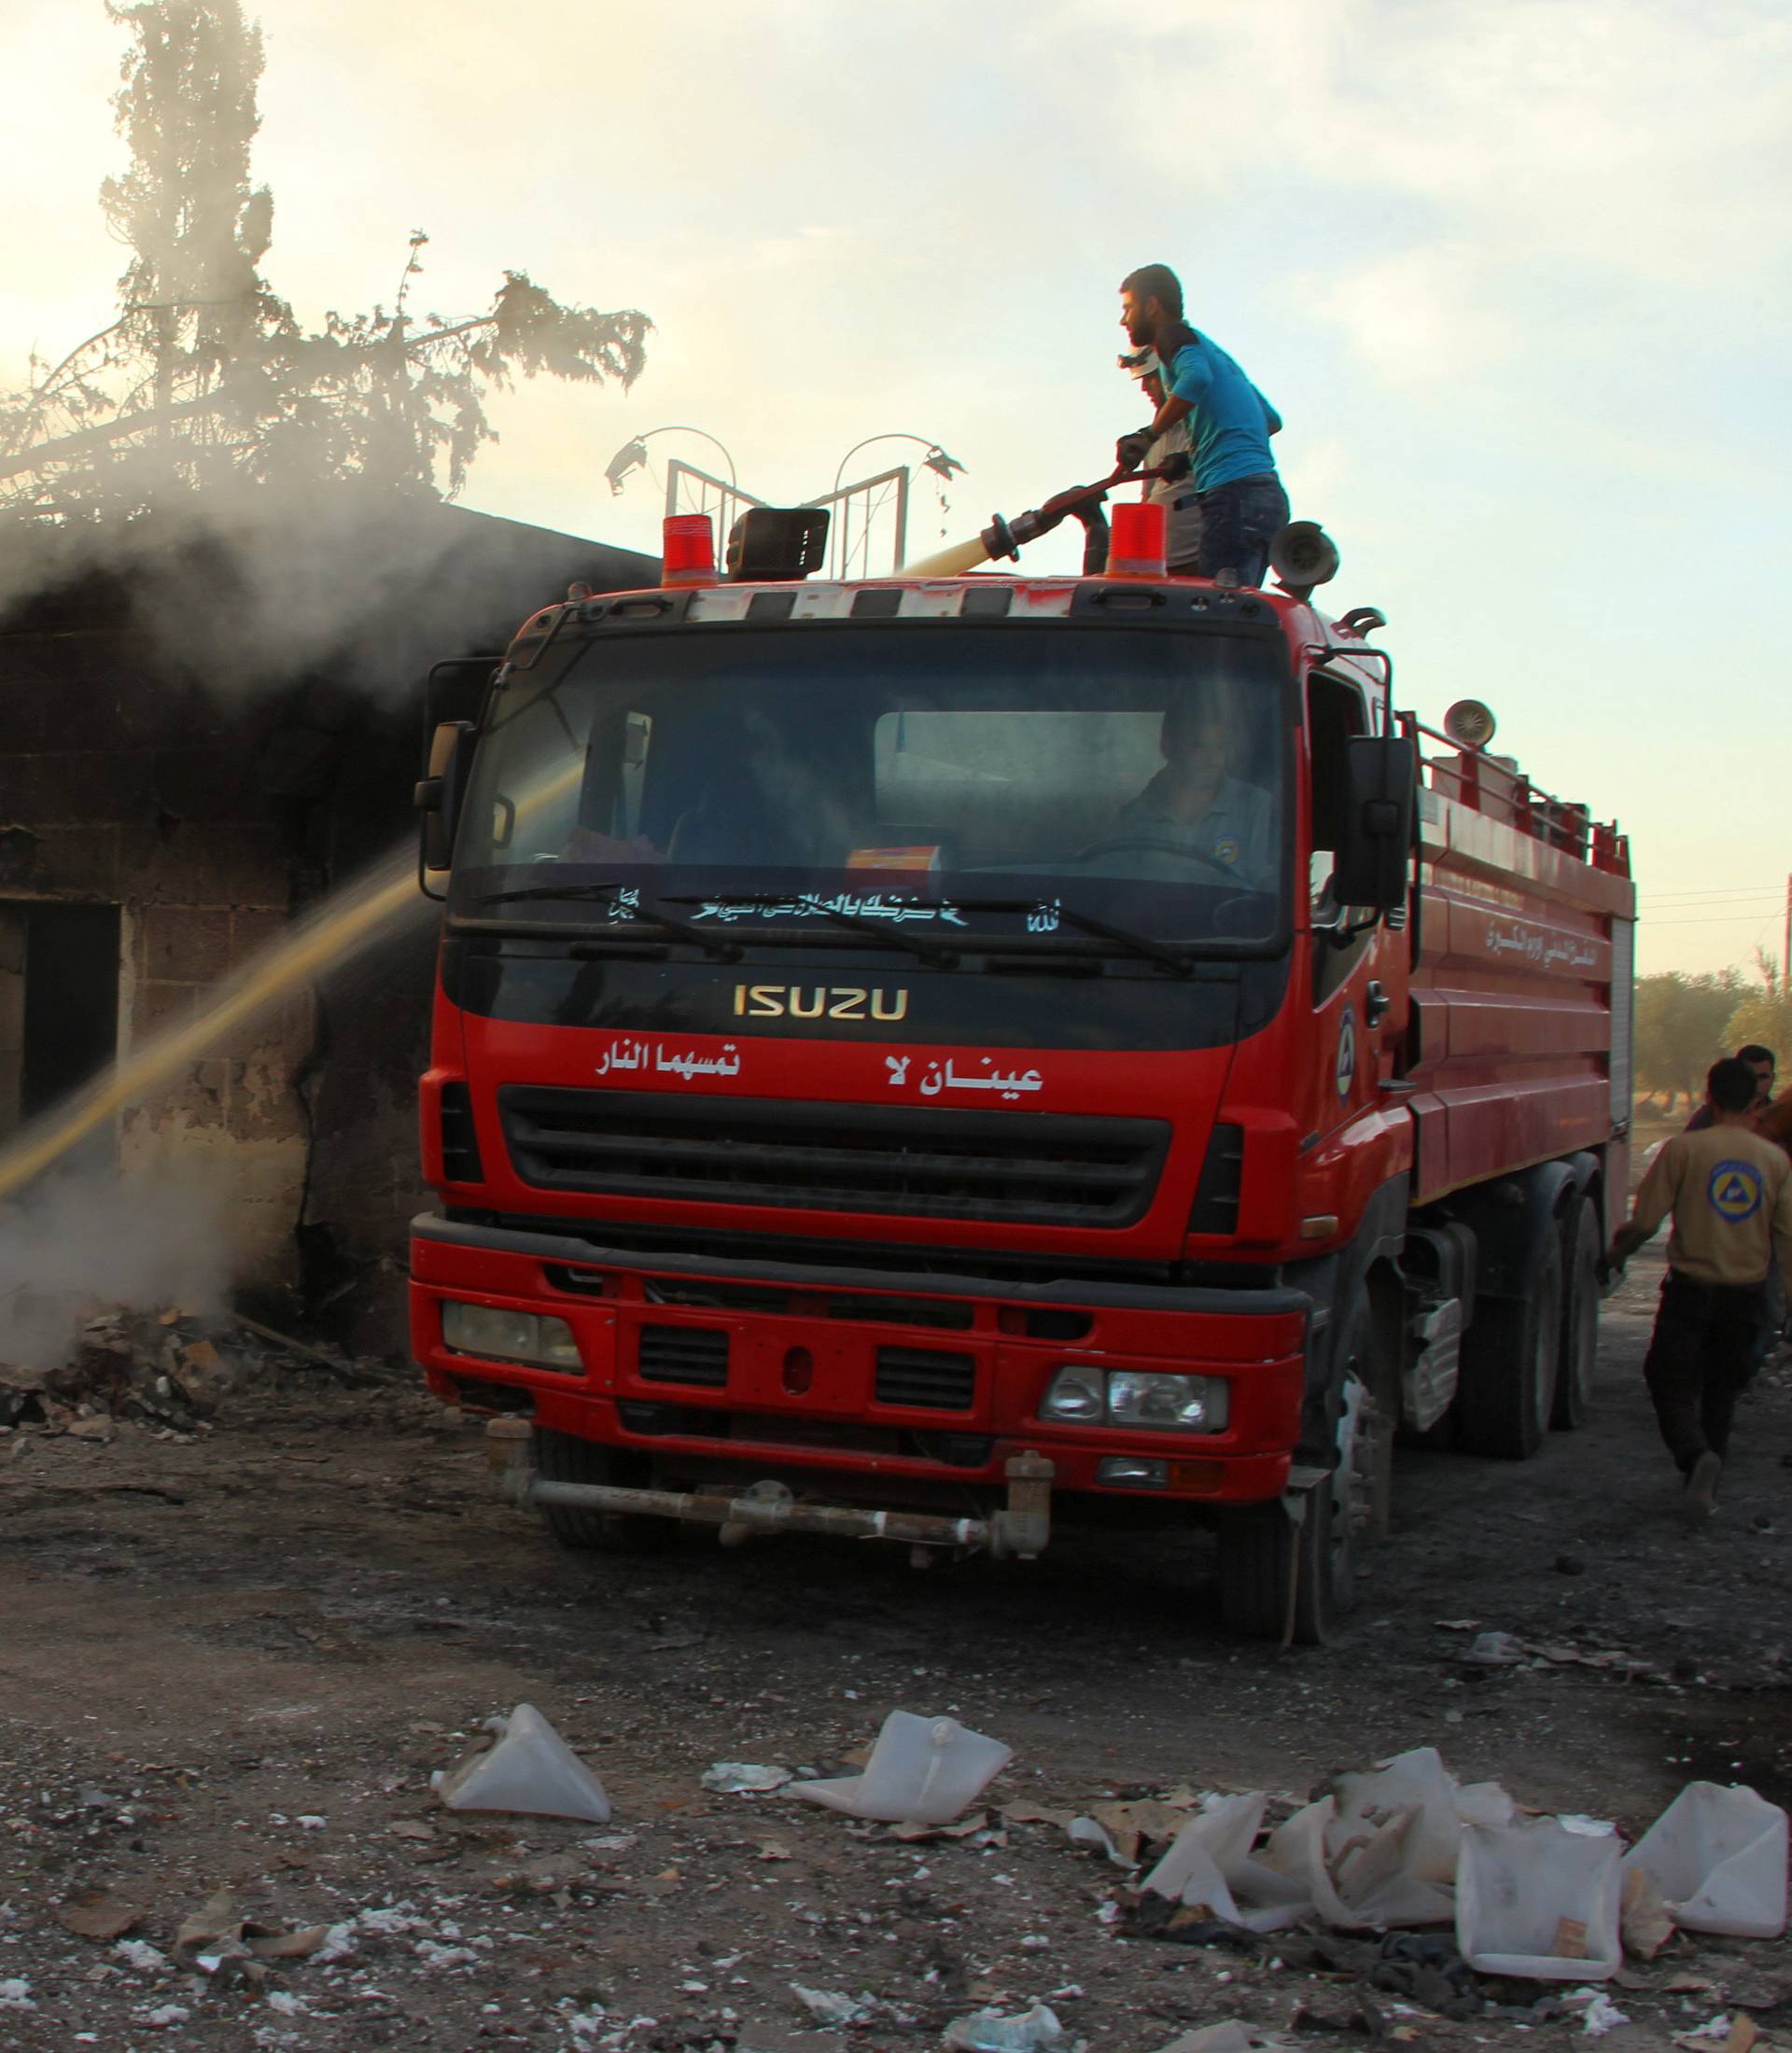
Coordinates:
(1178,497)
(1729,1194)
(1765,1065)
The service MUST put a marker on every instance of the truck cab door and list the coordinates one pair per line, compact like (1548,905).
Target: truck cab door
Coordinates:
(1359,961)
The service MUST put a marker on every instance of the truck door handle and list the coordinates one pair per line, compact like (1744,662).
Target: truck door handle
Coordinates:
(1374,1001)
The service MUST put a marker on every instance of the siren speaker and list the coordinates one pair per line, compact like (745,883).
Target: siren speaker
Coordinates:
(1302,555)
(1469,723)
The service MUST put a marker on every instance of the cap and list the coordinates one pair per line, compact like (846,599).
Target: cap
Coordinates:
(1141,363)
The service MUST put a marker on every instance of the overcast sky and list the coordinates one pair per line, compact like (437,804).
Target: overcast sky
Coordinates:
(1516,276)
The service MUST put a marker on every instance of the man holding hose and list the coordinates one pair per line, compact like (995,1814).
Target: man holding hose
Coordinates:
(1241,500)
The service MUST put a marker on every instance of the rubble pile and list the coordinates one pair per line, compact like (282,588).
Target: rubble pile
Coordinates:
(168,1371)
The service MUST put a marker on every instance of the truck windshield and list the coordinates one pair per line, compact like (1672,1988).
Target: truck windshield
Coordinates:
(997,781)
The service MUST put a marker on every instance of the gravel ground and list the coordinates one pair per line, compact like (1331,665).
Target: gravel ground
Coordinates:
(232,1661)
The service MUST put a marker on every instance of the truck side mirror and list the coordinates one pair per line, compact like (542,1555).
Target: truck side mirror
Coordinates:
(455,690)
(1373,858)
(443,786)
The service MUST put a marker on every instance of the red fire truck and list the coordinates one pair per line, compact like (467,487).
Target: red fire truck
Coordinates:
(930,1057)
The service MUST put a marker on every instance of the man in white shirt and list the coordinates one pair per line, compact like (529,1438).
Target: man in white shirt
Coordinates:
(1177,495)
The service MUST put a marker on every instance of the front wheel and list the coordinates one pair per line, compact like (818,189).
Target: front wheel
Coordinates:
(1283,1580)
(564,1458)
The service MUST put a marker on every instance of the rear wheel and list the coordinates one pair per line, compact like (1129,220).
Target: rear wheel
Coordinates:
(1581,1245)
(563,1458)
(1510,1356)
(1279,1579)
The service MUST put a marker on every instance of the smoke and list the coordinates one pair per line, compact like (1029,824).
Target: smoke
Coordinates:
(84,1241)
(248,585)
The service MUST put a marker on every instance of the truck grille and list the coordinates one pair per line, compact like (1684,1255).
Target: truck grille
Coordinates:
(1040,1169)
(919,1376)
(694,1355)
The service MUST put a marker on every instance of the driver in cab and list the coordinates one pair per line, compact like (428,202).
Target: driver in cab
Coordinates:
(1194,803)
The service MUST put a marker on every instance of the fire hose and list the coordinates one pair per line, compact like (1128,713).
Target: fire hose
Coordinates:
(1082,503)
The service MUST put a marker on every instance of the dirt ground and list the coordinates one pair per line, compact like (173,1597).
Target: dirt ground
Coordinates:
(234,1661)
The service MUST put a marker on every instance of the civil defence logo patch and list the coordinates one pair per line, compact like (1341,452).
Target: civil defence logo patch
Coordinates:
(1735,1191)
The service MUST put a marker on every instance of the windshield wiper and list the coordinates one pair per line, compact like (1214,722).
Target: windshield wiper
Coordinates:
(1180,961)
(931,952)
(549,891)
(664,922)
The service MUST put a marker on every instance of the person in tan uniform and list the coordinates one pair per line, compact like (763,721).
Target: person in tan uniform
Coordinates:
(1729,1194)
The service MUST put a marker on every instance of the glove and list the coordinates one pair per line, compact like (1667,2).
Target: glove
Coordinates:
(1130,451)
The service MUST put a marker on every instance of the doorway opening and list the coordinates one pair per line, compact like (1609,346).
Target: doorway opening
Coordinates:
(59,1009)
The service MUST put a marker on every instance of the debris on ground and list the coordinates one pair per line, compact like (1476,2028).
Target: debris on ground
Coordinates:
(97,1914)
(527,1768)
(921,1770)
(744,1778)
(989,2032)
(166,1370)
(235,1654)
(833,2006)
(1717,1858)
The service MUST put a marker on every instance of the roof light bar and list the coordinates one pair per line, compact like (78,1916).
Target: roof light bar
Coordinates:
(1136,548)
(687,549)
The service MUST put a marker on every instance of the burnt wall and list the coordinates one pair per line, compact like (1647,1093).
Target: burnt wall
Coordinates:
(211,809)
(126,785)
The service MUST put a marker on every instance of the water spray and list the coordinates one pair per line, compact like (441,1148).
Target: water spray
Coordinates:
(381,901)
(339,931)
(1004,539)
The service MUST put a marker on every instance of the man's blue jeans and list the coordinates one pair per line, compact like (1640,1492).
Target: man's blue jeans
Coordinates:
(1238,522)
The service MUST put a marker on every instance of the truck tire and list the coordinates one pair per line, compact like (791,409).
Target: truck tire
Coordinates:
(563,1458)
(1262,1550)
(1581,1244)
(1506,1397)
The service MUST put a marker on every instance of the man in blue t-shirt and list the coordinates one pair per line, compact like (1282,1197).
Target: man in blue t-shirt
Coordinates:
(1230,426)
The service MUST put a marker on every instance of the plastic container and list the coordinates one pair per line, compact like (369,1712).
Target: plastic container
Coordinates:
(1538,1902)
(1393,1846)
(1297,1852)
(1210,1862)
(989,2032)
(921,1771)
(530,1768)
(1718,1855)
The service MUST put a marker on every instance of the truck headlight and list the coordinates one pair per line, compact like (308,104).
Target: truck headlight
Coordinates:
(1154,1401)
(501,1336)
(1166,1404)
(1076,1398)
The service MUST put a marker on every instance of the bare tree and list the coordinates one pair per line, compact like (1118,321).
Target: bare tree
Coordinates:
(208,371)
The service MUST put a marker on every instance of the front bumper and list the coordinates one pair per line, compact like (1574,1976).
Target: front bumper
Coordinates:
(844,1324)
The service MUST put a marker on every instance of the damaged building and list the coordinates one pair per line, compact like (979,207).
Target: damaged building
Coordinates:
(203,736)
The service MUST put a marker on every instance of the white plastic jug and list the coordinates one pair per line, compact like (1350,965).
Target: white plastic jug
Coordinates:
(921,1771)
(1393,1846)
(1538,1901)
(530,1768)
(1297,1851)
(1717,1855)
(1210,1862)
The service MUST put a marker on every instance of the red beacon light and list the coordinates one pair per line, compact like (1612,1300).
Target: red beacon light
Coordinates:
(688,550)
(1136,546)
